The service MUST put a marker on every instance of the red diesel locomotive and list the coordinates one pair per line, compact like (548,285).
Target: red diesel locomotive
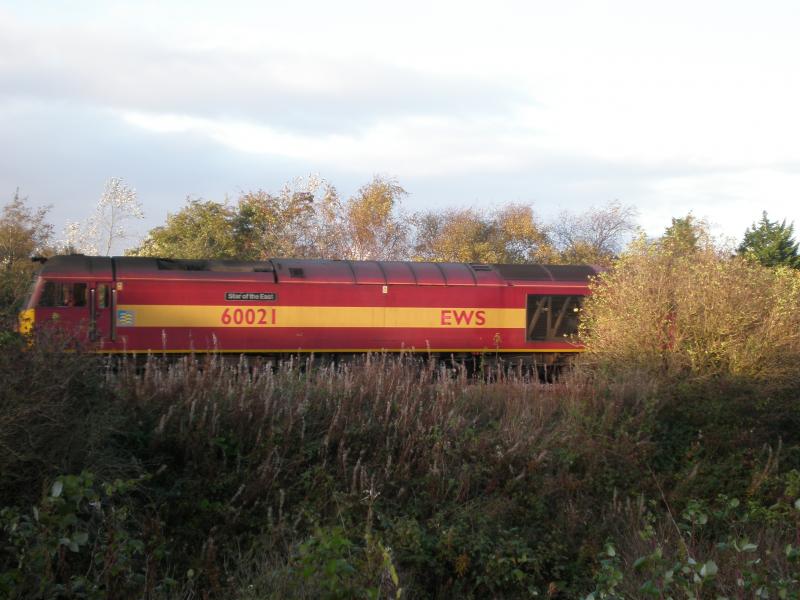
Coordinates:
(131,304)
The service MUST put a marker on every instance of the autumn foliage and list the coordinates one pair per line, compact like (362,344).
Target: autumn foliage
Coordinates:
(308,219)
(698,312)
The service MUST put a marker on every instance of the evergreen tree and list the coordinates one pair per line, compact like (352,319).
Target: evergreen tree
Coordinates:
(771,243)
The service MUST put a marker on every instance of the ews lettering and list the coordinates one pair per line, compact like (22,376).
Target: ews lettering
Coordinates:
(453,317)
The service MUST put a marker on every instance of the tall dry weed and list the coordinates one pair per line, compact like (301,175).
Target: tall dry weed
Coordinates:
(377,421)
(385,443)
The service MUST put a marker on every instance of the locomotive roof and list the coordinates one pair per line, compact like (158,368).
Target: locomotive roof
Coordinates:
(294,270)
(76,265)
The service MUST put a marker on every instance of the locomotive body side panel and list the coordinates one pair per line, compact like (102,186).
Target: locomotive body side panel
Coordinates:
(180,316)
(289,305)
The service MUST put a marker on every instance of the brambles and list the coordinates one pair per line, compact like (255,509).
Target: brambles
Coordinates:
(724,548)
(82,540)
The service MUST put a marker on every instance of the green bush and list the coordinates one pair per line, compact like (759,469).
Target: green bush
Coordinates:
(721,549)
(82,540)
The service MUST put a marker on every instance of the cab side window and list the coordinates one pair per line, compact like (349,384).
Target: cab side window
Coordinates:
(80,294)
(57,294)
(51,294)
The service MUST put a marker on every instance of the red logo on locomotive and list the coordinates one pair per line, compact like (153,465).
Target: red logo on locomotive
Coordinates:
(452,317)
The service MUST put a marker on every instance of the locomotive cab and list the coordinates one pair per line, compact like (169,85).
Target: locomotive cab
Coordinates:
(74,292)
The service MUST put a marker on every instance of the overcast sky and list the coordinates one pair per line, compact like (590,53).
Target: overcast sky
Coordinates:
(668,106)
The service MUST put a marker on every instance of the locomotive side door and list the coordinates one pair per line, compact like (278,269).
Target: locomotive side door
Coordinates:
(101,314)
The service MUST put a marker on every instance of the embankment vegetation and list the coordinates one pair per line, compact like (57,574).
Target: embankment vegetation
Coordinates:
(665,464)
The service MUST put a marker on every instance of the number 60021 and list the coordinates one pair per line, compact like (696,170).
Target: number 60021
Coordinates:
(248,316)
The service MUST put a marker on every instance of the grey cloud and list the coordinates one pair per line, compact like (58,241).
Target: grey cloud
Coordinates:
(141,74)
(62,156)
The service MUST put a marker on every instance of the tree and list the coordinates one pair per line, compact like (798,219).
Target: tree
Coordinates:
(304,220)
(510,234)
(107,226)
(454,235)
(286,224)
(328,225)
(201,229)
(24,232)
(770,243)
(371,224)
(596,236)
(686,235)
(520,235)
(265,225)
